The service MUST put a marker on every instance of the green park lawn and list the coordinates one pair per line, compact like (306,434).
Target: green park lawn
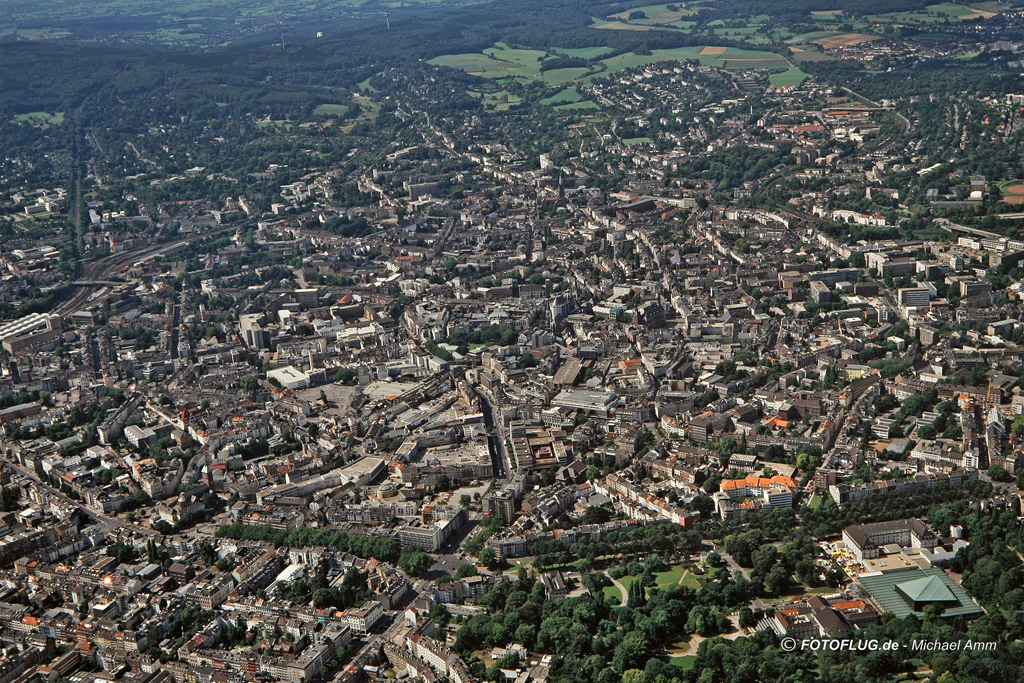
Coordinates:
(670,578)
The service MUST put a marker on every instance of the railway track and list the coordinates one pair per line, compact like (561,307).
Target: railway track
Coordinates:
(102,269)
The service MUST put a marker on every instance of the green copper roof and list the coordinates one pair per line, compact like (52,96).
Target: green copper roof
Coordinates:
(926,589)
(887,590)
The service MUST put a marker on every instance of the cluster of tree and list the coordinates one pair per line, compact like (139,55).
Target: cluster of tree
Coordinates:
(17,398)
(353,591)
(124,552)
(414,561)
(9,497)
(342,225)
(733,167)
(662,540)
(502,335)
(387,549)
(592,639)
(774,567)
(563,62)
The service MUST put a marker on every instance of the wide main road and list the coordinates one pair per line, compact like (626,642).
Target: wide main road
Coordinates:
(502,459)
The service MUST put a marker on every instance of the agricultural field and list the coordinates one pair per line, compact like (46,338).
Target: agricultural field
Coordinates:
(674,17)
(660,14)
(185,22)
(808,53)
(34,33)
(811,37)
(172,36)
(727,58)
(940,13)
(502,61)
(846,40)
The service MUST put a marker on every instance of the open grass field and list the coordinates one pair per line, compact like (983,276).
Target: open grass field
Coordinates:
(685,663)
(745,33)
(515,55)
(815,501)
(670,578)
(620,25)
(560,76)
(941,13)
(40,119)
(632,142)
(628,580)
(364,86)
(962,12)
(500,101)
(500,61)
(691,581)
(369,109)
(811,53)
(612,592)
(583,52)
(330,110)
(567,96)
(791,77)
(657,13)
(471,63)
(576,106)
